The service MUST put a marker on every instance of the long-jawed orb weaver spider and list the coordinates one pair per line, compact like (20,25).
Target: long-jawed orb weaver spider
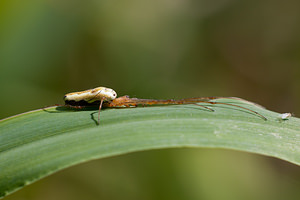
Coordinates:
(107,98)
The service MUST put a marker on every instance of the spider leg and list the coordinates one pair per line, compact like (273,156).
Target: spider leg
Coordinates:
(204,107)
(100,106)
(229,104)
(94,97)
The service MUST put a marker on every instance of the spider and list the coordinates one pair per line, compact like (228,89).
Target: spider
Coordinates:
(107,98)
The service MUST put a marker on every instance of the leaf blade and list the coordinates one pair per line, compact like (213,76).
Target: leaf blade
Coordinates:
(56,139)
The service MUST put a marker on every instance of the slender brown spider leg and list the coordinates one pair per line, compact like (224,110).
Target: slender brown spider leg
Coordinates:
(195,99)
(94,97)
(58,105)
(45,107)
(66,106)
(228,104)
(100,106)
(206,100)
(204,107)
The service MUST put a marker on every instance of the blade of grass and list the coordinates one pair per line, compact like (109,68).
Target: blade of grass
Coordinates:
(39,143)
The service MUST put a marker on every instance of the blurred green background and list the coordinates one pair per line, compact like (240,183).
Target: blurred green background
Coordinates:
(156,49)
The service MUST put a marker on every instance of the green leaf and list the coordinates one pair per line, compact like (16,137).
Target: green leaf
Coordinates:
(39,143)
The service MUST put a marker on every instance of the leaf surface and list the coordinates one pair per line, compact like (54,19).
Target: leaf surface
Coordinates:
(39,143)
